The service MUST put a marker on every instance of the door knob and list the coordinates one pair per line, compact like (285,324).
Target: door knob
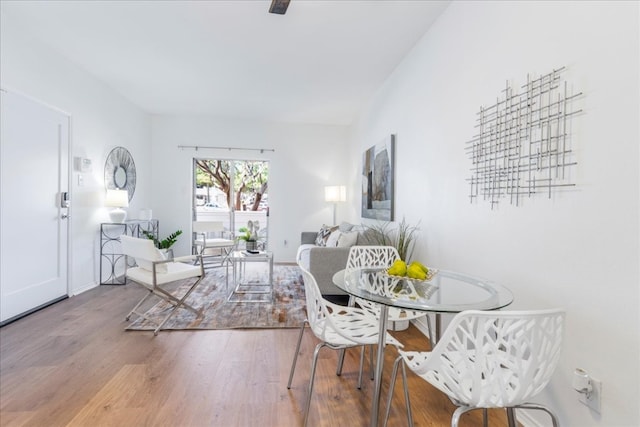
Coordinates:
(64,216)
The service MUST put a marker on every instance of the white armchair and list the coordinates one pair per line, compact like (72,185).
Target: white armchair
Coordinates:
(212,242)
(154,272)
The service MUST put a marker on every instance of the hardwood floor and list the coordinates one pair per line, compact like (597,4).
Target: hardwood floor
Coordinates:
(73,364)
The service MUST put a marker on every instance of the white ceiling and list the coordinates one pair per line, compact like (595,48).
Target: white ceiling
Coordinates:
(318,63)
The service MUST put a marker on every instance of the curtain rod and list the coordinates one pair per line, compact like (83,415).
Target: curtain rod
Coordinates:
(200,147)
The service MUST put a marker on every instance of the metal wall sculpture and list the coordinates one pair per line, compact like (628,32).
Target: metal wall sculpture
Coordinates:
(522,147)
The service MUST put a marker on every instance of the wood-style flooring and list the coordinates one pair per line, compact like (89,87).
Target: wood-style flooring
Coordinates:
(73,364)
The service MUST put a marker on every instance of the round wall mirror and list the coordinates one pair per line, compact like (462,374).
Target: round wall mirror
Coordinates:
(120,177)
(120,171)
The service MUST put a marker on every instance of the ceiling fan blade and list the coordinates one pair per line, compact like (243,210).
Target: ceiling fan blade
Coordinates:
(279,6)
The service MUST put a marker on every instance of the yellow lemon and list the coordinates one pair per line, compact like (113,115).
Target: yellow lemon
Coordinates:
(398,268)
(415,272)
(422,266)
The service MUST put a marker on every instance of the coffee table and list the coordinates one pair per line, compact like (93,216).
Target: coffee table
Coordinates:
(244,290)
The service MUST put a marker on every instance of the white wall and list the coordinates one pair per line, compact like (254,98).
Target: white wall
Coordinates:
(306,158)
(580,249)
(100,121)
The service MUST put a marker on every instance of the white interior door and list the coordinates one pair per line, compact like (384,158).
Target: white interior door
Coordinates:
(34,156)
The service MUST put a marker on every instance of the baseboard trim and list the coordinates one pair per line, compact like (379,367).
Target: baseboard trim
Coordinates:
(421,324)
(33,310)
(525,420)
(85,288)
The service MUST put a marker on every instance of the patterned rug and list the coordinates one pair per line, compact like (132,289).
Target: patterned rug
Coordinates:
(287,309)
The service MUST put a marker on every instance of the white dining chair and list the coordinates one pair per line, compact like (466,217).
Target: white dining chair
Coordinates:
(336,326)
(489,359)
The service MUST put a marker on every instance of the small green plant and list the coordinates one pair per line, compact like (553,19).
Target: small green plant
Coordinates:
(246,236)
(250,231)
(402,238)
(164,243)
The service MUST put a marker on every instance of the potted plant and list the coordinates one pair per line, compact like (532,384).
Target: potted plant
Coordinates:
(250,235)
(402,238)
(163,244)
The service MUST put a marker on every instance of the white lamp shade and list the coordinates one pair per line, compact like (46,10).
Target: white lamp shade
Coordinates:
(117,199)
(335,193)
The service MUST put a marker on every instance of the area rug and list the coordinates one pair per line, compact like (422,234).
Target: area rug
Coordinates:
(287,308)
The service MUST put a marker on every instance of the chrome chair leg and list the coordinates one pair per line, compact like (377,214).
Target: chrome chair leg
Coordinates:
(460,410)
(407,401)
(295,356)
(371,363)
(177,303)
(313,377)
(340,362)
(511,417)
(133,310)
(536,406)
(432,338)
(392,385)
(361,368)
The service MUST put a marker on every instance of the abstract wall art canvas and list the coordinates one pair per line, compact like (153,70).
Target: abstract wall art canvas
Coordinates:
(378,175)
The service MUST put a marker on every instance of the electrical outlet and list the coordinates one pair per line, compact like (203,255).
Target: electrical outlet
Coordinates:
(593,401)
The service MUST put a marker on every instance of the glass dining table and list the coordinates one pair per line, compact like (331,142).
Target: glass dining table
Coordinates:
(445,292)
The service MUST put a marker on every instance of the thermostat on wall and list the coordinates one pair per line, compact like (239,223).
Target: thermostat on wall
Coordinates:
(82,165)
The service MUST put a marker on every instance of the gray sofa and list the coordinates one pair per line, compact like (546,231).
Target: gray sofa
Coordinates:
(323,262)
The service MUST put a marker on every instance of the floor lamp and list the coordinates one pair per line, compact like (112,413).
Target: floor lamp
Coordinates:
(335,194)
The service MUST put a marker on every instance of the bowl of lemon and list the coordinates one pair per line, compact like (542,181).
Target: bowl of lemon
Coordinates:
(415,271)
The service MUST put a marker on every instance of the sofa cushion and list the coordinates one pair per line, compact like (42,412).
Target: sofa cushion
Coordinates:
(346,240)
(324,233)
(332,241)
(345,226)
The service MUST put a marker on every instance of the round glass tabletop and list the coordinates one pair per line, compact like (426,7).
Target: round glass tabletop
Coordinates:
(447,291)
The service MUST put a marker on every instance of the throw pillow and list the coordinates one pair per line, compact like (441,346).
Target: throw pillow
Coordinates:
(323,234)
(347,240)
(332,241)
(345,226)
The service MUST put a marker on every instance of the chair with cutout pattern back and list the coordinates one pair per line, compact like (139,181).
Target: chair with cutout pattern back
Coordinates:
(336,326)
(490,359)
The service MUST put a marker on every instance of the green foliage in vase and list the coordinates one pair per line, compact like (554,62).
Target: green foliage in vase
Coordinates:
(164,243)
(246,236)
(402,238)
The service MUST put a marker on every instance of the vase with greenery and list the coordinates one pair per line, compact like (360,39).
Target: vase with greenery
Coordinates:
(402,237)
(250,235)
(164,243)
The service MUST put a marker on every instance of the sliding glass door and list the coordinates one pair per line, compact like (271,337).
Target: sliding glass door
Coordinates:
(234,192)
